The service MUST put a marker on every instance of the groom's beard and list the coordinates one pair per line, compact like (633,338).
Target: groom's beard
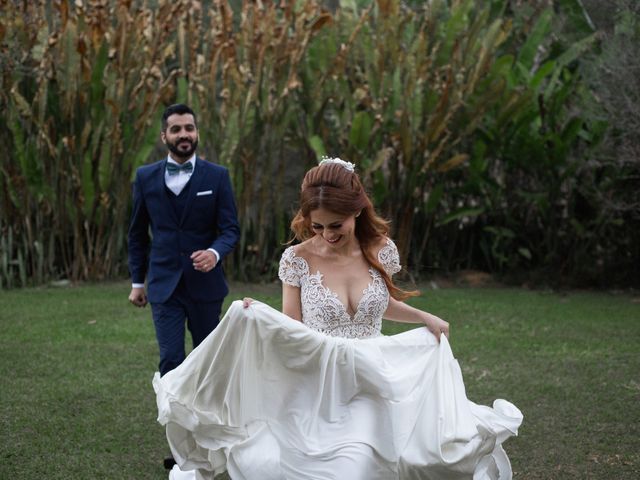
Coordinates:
(186,154)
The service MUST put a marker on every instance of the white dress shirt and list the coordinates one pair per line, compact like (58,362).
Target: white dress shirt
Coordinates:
(176,182)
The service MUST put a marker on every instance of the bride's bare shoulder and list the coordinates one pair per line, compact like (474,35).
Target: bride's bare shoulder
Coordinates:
(381,243)
(304,249)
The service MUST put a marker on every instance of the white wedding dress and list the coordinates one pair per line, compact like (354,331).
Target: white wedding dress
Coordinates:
(268,398)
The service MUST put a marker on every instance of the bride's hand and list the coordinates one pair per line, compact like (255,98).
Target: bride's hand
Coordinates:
(246,301)
(436,325)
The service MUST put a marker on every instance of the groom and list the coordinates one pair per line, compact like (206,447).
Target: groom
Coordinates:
(188,205)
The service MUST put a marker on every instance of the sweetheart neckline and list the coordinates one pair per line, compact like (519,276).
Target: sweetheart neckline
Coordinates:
(319,275)
(372,271)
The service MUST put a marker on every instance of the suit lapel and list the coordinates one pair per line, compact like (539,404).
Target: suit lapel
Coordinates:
(196,179)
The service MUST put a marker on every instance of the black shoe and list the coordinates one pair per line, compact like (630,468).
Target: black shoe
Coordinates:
(169,462)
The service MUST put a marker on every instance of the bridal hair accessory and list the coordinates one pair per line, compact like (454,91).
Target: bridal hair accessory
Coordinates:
(348,165)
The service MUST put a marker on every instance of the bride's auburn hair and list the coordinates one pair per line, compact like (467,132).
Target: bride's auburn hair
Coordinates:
(333,187)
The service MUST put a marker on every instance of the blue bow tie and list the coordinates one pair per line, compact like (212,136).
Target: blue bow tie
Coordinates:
(175,169)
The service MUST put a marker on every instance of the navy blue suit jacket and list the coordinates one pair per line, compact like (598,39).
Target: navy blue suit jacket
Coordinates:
(209,220)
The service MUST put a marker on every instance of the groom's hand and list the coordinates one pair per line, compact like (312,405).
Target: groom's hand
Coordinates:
(204,260)
(138,297)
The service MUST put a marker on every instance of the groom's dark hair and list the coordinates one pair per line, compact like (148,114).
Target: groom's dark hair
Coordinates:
(177,109)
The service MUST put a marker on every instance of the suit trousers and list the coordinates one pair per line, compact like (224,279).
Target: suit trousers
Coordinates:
(169,319)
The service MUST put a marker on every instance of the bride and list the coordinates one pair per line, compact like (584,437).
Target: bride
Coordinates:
(316,392)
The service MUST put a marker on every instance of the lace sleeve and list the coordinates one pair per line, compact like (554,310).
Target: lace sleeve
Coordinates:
(390,258)
(290,269)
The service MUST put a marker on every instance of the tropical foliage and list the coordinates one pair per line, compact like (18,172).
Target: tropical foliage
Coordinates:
(472,123)
(80,87)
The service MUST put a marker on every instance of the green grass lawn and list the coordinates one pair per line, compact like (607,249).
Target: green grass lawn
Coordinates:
(76,400)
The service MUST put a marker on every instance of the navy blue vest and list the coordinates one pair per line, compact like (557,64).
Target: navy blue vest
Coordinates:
(178,202)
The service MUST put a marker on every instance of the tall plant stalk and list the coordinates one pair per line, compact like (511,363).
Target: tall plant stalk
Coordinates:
(80,110)
(242,73)
(402,89)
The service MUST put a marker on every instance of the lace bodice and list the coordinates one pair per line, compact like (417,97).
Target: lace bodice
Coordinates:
(323,311)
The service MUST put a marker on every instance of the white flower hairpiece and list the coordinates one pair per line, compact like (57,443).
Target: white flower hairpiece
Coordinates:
(348,165)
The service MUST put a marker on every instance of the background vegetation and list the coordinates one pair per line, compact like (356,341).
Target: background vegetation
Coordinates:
(499,135)
(76,400)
